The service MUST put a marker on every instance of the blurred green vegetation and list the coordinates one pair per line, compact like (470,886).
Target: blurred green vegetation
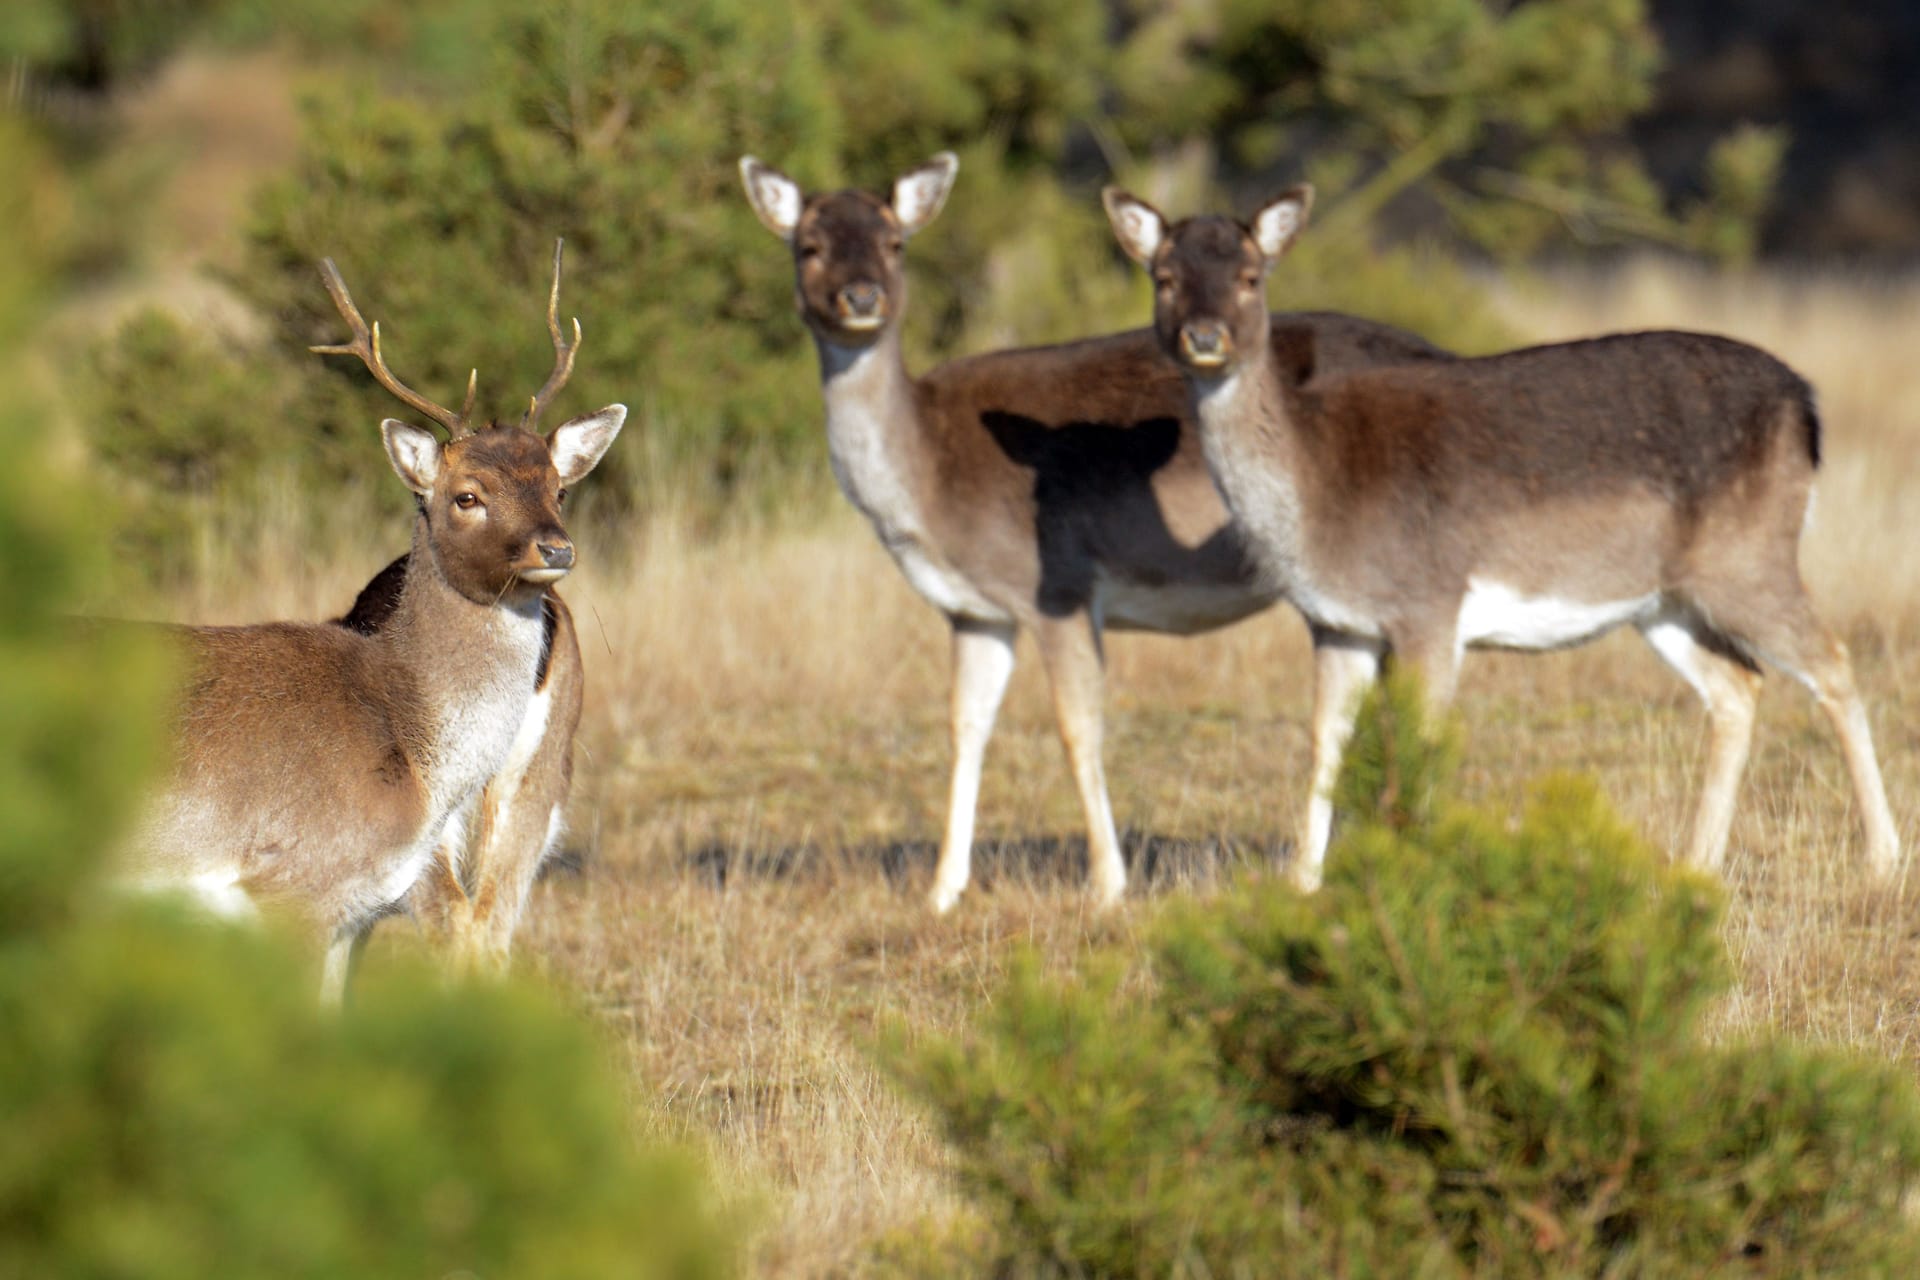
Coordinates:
(78,705)
(448,141)
(1476,1052)
(172,1099)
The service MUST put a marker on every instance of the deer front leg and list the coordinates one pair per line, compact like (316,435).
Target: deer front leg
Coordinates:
(526,825)
(982,665)
(343,957)
(1343,670)
(1071,648)
(439,902)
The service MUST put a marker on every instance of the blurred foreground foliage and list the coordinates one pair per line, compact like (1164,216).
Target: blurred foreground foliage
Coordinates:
(1475,1052)
(447,142)
(173,1101)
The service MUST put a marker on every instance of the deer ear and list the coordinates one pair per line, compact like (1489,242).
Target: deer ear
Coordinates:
(1280,220)
(414,452)
(775,197)
(1138,225)
(919,195)
(578,444)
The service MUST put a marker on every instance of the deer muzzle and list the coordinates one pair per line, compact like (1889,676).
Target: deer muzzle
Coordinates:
(1205,344)
(556,561)
(862,306)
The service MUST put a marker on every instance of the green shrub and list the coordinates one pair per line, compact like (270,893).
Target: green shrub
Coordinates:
(1475,1052)
(177,1106)
(78,704)
(616,126)
(173,1103)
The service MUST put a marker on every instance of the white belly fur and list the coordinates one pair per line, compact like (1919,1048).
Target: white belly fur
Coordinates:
(861,450)
(1494,615)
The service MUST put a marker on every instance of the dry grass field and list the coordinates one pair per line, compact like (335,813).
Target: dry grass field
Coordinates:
(762,776)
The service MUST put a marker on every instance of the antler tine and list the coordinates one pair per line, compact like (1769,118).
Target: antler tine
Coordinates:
(366,345)
(563,354)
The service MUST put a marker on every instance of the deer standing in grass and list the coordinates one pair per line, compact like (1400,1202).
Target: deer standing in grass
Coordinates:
(323,767)
(1531,500)
(1059,489)
(475,887)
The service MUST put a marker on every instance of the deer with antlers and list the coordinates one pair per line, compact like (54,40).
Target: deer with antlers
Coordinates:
(475,889)
(323,765)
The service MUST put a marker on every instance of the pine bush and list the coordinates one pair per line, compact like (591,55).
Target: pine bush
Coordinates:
(1475,1052)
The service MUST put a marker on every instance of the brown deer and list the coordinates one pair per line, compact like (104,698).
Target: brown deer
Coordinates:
(320,766)
(1059,489)
(475,888)
(1530,501)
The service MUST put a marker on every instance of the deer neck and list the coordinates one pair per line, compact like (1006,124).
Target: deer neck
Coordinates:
(1257,454)
(874,433)
(472,667)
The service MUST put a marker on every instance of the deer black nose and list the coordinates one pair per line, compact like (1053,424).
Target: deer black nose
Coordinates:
(862,299)
(556,555)
(1205,341)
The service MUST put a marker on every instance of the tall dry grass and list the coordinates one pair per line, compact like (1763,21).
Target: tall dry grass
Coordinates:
(763,769)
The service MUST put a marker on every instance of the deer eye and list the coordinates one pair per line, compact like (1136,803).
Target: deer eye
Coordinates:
(1163,281)
(1249,279)
(896,244)
(809,251)
(562,498)
(466,501)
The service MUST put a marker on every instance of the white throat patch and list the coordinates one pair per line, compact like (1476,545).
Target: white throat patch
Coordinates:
(1260,492)
(868,412)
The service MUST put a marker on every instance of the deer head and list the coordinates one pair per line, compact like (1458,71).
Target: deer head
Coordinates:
(849,270)
(491,497)
(1209,274)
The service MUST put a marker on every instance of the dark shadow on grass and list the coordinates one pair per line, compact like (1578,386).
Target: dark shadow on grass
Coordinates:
(1155,862)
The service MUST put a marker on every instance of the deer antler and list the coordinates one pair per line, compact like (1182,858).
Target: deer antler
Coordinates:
(562,352)
(366,345)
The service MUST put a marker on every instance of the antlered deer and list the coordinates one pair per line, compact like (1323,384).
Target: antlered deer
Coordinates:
(475,887)
(1059,489)
(321,766)
(1531,500)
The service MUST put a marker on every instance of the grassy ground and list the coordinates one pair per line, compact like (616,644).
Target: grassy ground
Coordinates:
(763,768)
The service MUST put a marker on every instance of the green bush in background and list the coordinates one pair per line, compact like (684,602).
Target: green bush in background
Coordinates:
(173,1103)
(1475,1052)
(448,142)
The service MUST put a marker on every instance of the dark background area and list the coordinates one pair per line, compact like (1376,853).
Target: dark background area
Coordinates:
(1843,77)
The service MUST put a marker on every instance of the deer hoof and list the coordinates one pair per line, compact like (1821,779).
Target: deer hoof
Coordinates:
(944,897)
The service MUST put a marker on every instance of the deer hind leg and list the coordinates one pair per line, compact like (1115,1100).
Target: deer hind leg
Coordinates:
(1781,627)
(1824,666)
(982,665)
(1343,670)
(1834,689)
(1730,689)
(1071,648)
